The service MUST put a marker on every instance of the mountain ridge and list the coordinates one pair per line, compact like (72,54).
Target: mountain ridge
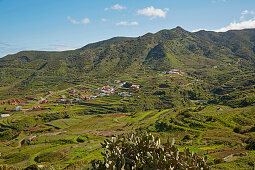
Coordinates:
(119,56)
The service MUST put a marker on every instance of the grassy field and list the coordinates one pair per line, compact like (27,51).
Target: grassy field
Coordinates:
(66,134)
(75,140)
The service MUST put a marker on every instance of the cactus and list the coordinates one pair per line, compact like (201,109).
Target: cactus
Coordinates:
(144,151)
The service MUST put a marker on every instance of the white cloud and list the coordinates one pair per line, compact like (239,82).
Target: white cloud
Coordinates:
(214,1)
(82,21)
(127,23)
(134,23)
(153,12)
(238,25)
(85,21)
(72,20)
(63,47)
(103,20)
(246,12)
(118,7)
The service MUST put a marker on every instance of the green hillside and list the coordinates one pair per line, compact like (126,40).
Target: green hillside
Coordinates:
(198,88)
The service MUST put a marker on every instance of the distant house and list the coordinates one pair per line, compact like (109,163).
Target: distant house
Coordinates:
(77,99)
(101,94)
(125,94)
(50,92)
(135,86)
(85,97)
(14,103)
(91,96)
(73,94)
(18,108)
(121,84)
(61,100)
(116,81)
(175,71)
(38,108)
(103,91)
(58,100)
(5,115)
(44,101)
(215,67)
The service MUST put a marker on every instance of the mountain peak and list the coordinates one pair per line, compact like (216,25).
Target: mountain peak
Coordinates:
(179,28)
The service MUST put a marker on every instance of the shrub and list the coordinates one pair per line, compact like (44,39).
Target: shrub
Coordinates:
(237,129)
(81,139)
(32,167)
(250,143)
(144,151)
(218,160)
(186,137)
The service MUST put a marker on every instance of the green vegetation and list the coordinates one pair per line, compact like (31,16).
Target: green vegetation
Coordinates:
(198,88)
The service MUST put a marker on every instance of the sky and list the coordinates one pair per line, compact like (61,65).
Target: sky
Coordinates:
(57,25)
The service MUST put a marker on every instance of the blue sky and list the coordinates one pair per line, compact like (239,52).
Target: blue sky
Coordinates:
(68,24)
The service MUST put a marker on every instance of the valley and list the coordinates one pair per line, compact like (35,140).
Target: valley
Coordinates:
(198,88)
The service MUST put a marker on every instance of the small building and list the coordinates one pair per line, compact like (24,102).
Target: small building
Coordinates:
(18,108)
(116,81)
(92,97)
(175,71)
(85,97)
(135,86)
(38,108)
(101,94)
(121,84)
(125,94)
(77,99)
(5,115)
(44,101)
(50,92)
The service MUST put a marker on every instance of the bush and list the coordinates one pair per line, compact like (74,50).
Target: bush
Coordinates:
(218,160)
(81,139)
(250,143)
(127,85)
(186,137)
(144,151)
(32,167)
(237,129)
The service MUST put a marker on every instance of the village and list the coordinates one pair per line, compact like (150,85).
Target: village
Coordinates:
(73,96)
(70,96)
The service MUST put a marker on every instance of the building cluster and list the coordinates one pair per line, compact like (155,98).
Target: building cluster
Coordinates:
(75,96)
(174,71)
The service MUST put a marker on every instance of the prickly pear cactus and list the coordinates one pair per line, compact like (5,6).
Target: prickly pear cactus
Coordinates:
(144,151)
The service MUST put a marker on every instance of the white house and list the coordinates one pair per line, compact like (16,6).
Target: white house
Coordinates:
(18,108)
(5,115)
